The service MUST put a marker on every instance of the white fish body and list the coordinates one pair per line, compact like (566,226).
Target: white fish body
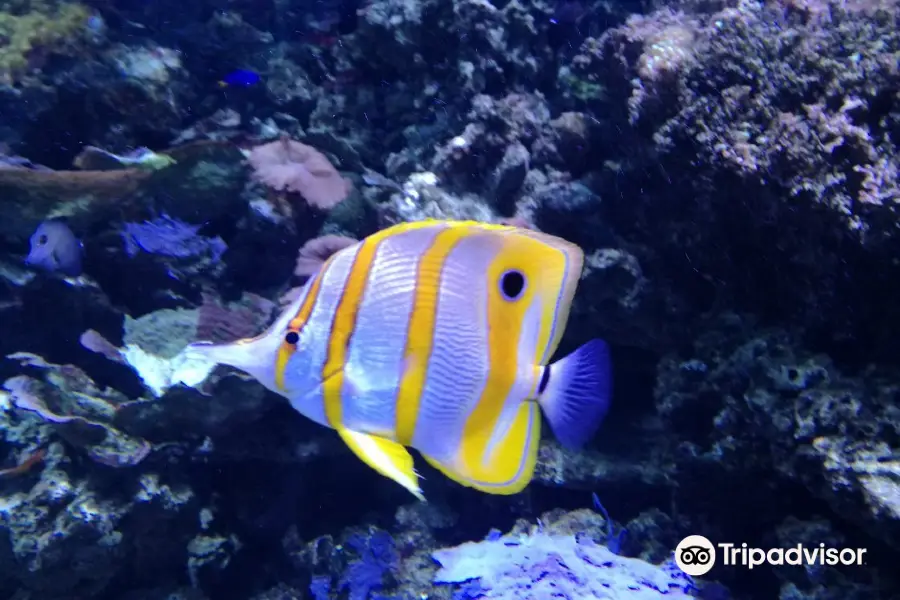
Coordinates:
(437,335)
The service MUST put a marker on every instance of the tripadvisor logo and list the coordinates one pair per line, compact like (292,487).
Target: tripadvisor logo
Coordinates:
(696,555)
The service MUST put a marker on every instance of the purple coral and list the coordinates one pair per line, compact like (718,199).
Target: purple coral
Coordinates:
(171,237)
(377,555)
(320,587)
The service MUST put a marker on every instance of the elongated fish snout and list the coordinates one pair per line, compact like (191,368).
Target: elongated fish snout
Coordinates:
(255,357)
(261,357)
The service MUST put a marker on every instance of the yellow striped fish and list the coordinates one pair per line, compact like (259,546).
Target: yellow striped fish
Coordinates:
(437,335)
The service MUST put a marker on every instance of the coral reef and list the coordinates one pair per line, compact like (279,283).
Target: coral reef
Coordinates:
(562,566)
(33,31)
(758,147)
(835,434)
(730,169)
(207,172)
(86,424)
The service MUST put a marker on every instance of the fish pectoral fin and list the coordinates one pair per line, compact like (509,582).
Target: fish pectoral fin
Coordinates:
(509,468)
(385,456)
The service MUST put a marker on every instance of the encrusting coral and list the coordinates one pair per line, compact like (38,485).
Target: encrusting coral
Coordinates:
(32,30)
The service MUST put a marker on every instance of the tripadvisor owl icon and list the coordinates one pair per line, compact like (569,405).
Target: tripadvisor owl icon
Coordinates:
(695,555)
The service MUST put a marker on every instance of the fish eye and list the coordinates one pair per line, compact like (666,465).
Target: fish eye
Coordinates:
(292,337)
(43,239)
(512,284)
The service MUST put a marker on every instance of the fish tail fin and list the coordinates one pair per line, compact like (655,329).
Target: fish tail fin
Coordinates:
(576,393)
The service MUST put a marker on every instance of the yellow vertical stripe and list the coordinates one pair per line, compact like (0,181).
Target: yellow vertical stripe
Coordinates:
(285,351)
(342,329)
(557,290)
(309,302)
(420,333)
(505,329)
(553,311)
(345,315)
(510,465)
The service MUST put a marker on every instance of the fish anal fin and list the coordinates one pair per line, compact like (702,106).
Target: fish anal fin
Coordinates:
(385,456)
(510,467)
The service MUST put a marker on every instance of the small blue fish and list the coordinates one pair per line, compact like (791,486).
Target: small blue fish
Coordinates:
(55,248)
(95,25)
(240,78)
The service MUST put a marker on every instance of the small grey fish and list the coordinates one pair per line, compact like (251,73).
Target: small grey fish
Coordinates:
(55,248)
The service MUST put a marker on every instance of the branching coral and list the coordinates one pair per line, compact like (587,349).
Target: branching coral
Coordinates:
(377,557)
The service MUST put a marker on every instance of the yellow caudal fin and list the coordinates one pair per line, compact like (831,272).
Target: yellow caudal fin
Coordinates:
(509,468)
(385,456)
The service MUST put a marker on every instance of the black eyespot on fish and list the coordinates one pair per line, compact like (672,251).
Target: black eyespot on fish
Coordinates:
(512,284)
(545,379)
(292,337)
(54,248)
